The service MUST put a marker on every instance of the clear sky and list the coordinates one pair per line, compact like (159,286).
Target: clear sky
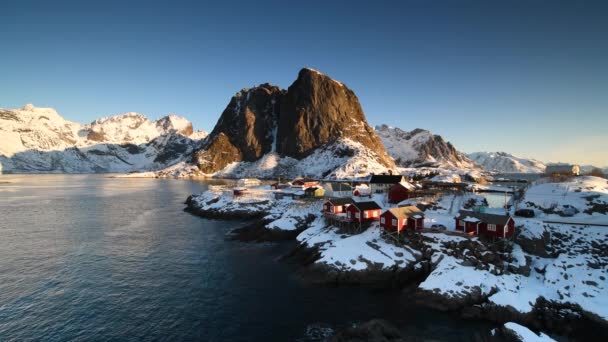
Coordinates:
(526,77)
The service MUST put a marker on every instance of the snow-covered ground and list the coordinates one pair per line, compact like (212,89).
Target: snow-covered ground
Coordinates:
(344,159)
(579,199)
(574,274)
(526,335)
(356,252)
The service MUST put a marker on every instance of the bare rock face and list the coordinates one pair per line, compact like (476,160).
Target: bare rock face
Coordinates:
(318,110)
(244,131)
(315,111)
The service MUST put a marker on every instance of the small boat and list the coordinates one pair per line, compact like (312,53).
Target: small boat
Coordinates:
(239,191)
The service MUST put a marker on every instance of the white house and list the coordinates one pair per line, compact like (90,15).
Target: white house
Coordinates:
(337,189)
(563,169)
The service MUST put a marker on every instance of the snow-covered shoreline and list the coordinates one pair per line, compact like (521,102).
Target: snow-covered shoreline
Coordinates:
(508,281)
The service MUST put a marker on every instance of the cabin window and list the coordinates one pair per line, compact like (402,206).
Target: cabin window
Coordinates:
(365,214)
(461,223)
(382,220)
(357,215)
(394,222)
(492,227)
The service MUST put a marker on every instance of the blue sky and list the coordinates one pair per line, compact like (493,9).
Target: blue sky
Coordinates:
(526,77)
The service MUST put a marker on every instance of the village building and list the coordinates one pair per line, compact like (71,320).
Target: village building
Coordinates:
(562,170)
(492,225)
(400,192)
(304,183)
(398,219)
(381,183)
(245,182)
(314,192)
(337,189)
(445,186)
(364,211)
(335,209)
(337,205)
(362,190)
(280,185)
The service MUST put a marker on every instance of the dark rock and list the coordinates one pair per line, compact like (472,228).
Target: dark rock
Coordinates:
(314,112)
(534,246)
(243,131)
(488,257)
(257,232)
(317,111)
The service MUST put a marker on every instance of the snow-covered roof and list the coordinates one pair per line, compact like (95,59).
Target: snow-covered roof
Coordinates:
(407,211)
(406,185)
(471,216)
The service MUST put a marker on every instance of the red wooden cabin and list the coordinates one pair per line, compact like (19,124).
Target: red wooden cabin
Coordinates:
(398,219)
(363,211)
(400,192)
(305,182)
(492,225)
(337,205)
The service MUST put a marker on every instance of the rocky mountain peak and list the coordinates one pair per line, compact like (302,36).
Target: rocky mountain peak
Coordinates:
(314,112)
(244,131)
(318,110)
(174,123)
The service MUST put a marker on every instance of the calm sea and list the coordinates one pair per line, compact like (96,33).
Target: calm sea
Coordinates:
(91,258)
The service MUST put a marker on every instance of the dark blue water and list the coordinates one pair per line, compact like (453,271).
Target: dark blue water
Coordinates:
(95,258)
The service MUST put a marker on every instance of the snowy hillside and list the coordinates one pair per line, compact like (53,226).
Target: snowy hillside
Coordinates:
(506,163)
(343,159)
(580,199)
(421,148)
(36,139)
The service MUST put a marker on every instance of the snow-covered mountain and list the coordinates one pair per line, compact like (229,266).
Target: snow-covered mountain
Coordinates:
(316,128)
(421,148)
(507,163)
(36,139)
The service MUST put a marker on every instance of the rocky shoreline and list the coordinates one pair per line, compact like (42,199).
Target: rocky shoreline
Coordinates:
(562,319)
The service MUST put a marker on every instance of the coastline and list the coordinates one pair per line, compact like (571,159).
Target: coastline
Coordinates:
(430,252)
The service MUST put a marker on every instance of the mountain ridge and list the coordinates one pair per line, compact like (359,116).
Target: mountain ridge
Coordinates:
(36,139)
(420,147)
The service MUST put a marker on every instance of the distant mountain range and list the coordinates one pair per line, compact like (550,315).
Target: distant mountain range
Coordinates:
(507,163)
(421,148)
(34,140)
(314,128)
